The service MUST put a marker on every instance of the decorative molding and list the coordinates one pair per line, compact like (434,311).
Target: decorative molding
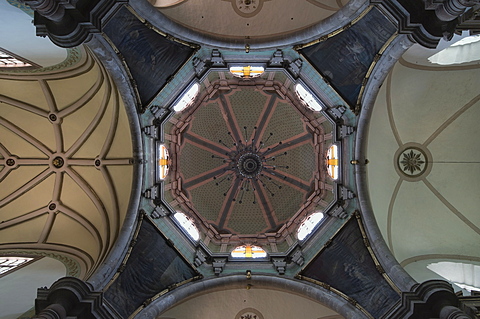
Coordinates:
(249,313)
(247,8)
(73,296)
(69,24)
(428,300)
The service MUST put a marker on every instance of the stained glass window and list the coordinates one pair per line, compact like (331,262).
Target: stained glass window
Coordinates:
(249,251)
(163,161)
(247,71)
(332,161)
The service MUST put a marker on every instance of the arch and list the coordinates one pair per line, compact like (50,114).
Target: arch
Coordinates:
(351,10)
(303,289)
(398,275)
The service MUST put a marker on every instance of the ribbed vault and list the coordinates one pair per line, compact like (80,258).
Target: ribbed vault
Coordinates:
(65,162)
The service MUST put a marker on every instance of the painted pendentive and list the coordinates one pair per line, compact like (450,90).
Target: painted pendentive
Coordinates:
(345,58)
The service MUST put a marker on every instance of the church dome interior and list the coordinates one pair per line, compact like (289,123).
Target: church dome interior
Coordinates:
(181,159)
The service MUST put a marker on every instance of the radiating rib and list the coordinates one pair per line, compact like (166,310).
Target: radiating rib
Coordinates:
(95,200)
(26,187)
(265,205)
(264,119)
(291,143)
(4,173)
(113,196)
(23,105)
(4,152)
(52,105)
(57,188)
(228,203)
(93,124)
(204,177)
(205,144)
(113,124)
(23,218)
(85,98)
(288,179)
(47,228)
(230,121)
(32,161)
(85,223)
(27,137)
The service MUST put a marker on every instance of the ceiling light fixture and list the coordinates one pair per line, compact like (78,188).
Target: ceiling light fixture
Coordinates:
(247,163)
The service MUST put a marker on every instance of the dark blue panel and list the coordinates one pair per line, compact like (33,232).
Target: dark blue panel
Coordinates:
(153,266)
(347,266)
(345,58)
(151,58)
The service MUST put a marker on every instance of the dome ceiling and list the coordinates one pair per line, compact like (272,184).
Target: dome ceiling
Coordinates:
(240,168)
(246,18)
(423,151)
(65,162)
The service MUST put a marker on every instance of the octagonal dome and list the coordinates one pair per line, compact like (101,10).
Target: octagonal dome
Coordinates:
(248,161)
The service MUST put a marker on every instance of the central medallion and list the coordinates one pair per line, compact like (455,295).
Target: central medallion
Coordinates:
(249,165)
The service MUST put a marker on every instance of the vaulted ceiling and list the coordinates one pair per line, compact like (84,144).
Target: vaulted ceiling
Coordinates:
(67,157)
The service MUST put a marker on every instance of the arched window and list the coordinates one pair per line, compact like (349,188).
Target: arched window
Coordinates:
(10,60)
(188,225)
(464,275)
(163,161)
(10,263)
(188,98)
(462,51)
(332,161)
(308,225)
(307,97)
(248,251)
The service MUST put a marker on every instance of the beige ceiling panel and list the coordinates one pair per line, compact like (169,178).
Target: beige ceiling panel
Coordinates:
(29,92)
(70,89)
(18,178)
(121,146)
(35,125)
(122,178)
(232,18)
(74,197)
(419,107)
(252,103)
(422,224)
(18,146)
(66,231)
(15,206)
(78,123)
(203,161)
(26,232)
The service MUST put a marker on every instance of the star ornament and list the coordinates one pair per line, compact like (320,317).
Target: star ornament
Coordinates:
(412,162)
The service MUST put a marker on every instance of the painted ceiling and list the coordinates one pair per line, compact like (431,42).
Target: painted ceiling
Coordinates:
(244,173)
(245,19)
(66,157)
